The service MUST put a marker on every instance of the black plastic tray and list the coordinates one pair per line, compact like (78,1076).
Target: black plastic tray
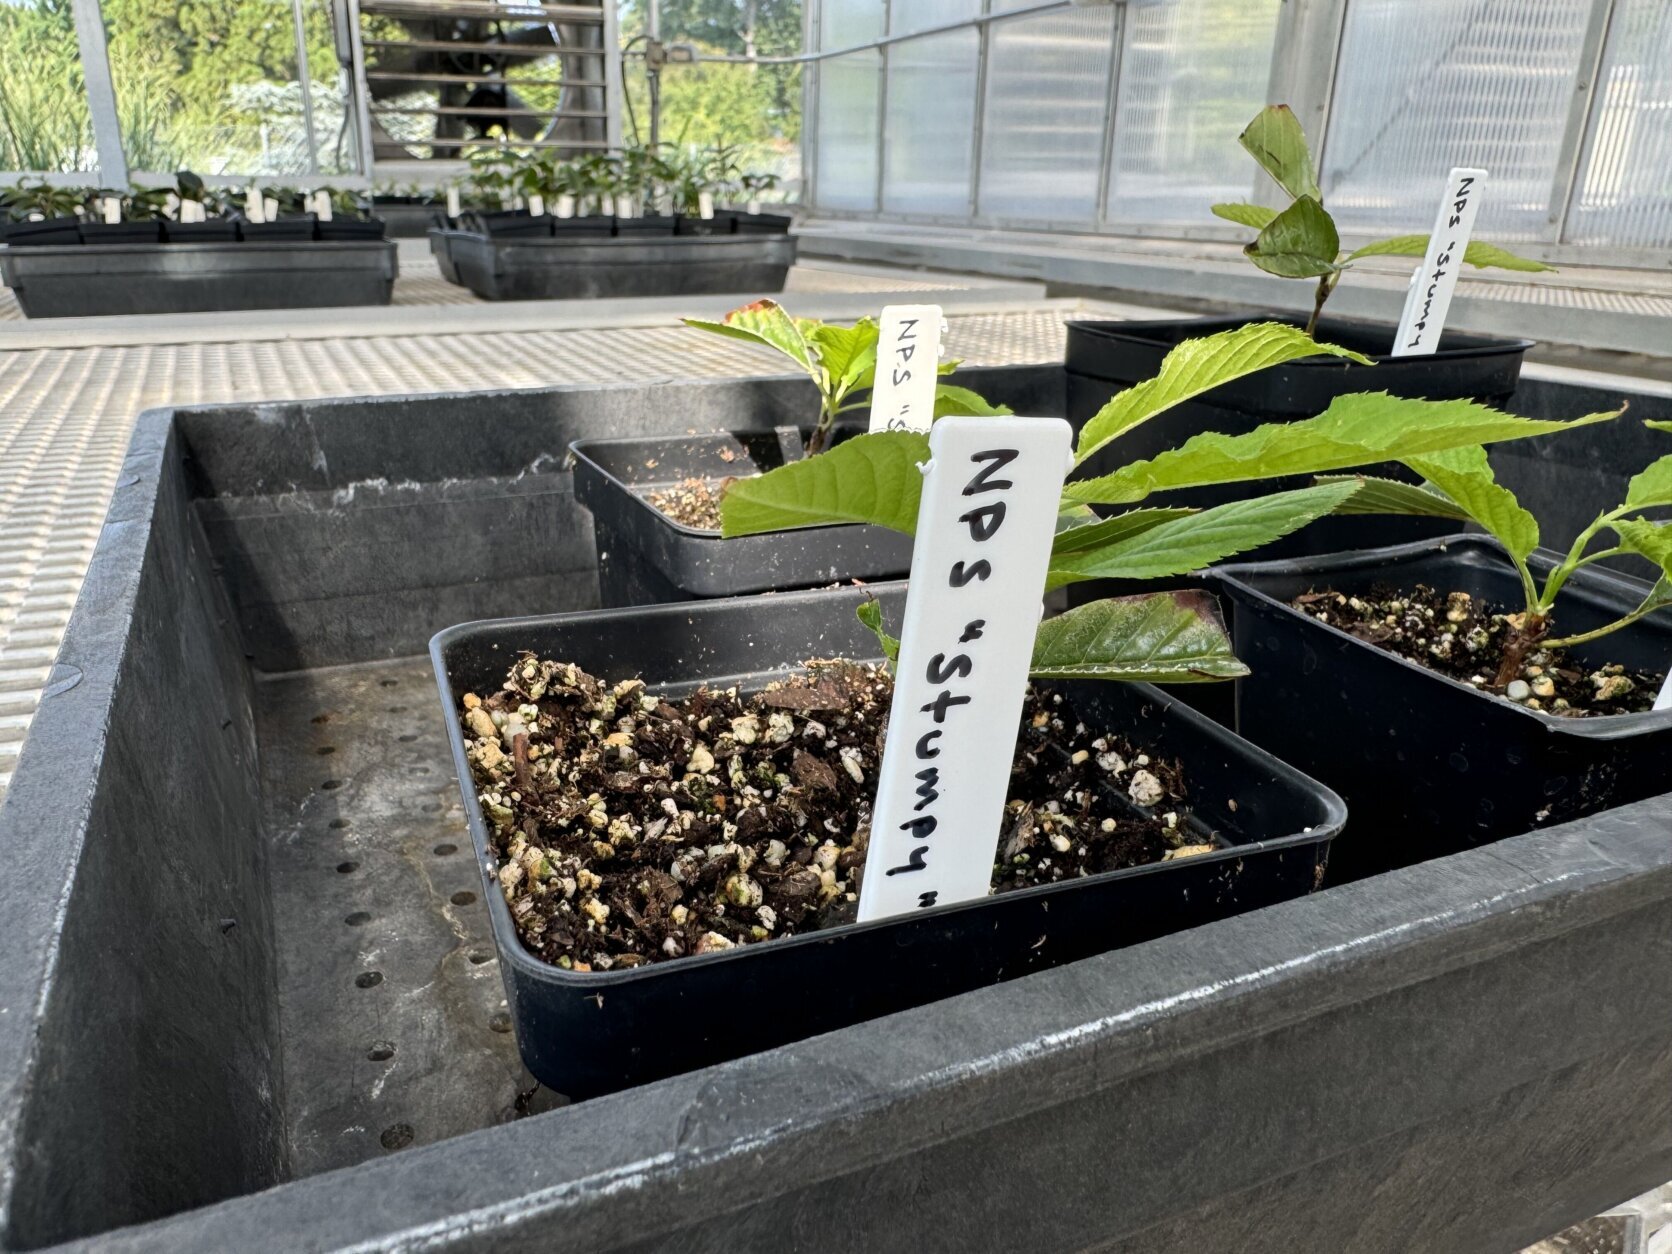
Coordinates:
(87,280)
(557,267)
(587,1034)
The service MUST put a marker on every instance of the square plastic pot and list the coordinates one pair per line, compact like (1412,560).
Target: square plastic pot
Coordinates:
(645,557)
(297,227)
(1431,766)
(1103,358)
(106,233)
(210,231)
(350,229)
(82,281)
(634,262)
(47,231)
(590,1033)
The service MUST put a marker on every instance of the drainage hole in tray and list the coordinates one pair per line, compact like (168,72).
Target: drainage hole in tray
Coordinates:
(397,709)
(444,848)
(338,824)
(478,958)
(388,683)
(397,1135)
(326,750)
(408,738)
(431,807)
(462,898)
(500,1022)
(330,784)
(358,919)
(321,718)
(368,979)
(347,868)
(381,1051)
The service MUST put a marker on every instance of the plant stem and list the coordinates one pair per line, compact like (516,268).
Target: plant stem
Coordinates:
(1324,289)
(1521,642)
(821,433)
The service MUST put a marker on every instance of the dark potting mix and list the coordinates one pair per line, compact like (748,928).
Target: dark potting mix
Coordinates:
(1463,637)
(631,828)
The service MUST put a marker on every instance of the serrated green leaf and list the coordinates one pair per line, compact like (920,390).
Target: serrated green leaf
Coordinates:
(1652,485)
(1071,514)
(1355,430)
(1478,254)
(1648,539)
(1391,496)
(1465,476)
(1158,638)
(764,322)
(951,401)
(870,613)
(1255,216)
(871,478)
(1200,365)
(1275,139)
(1181,545)
(848,354)
(1299,243)
(1100,532)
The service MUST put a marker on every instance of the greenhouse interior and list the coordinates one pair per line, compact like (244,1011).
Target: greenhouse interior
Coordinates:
(476,475)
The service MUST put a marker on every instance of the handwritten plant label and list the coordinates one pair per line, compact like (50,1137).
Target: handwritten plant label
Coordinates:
(908,364)
(1429,299)
(984,529)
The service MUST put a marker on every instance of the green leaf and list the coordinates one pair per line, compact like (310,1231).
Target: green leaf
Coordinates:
(1275,139)
(764,322)
(1299,243)
(1466,477)
(1477,254)
(1181,545)
(1355,430)
(1072,514)
(1158,638)
(1658,424)
(1391,496)
(1100,532)
(1647,539)
(1199,365)
(951,401)
(870,613)
(871,478)
(1652,485)
(1255,216)
(848,354)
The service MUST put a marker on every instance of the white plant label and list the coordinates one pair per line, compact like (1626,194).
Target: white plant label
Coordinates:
(171,207)
(1664,700)
(112,208)
(754,206)
(705,205)
(565,207)
(269,210)
(452,202)
(537,205)
(908,364)
(984,528)
(252,206)
(322,205)
(1429,299)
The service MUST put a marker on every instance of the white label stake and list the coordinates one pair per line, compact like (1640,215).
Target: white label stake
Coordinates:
(908,363)
(1664,700)
(984,527)
(452,202)
(1429,300)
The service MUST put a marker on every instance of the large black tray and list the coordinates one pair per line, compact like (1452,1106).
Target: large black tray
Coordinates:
(1463,1055)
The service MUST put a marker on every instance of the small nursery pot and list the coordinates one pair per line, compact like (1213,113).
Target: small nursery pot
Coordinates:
(1103,358)
(586,1034)
(63,230)
(1429,765)
(149,231)
(298,227)
(645,557)
(211,231)
(350,228)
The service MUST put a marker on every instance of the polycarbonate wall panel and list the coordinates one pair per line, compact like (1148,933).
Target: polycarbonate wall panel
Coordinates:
(929,123)
(1424,85)
(1193,72)
(1042,135)
(848,106)
(1624,194)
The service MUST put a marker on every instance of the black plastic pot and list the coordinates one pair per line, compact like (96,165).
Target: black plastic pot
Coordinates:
(762,223)
(350,228)
(78,281)
(296,227)
(47,231)
(1429,765)
(211,231)
(649,226)
(586,1034)
(1103,358)
(639,260)
(408,217)
(149,231)
(646,558)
